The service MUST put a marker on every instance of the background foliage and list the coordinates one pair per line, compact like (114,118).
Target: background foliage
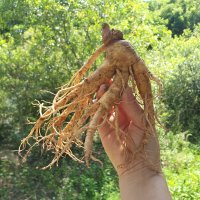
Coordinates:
(43,42)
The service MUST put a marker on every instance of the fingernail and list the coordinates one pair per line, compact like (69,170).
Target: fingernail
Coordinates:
(103,88)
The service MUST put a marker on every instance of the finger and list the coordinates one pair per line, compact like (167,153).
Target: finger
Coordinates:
(105,126)
(131,108)
(122,118)
(103,88)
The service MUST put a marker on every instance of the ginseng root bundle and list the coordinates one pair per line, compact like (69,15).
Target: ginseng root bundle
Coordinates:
(74,113)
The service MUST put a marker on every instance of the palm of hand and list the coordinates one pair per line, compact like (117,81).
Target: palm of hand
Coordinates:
(133,151)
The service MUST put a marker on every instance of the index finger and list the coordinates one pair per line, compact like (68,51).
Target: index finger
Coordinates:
(131,108)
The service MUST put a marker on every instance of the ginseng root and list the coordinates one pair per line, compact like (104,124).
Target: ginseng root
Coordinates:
(73,111)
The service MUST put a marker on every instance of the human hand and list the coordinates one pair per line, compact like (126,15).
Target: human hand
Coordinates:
(135,149)
(140,176)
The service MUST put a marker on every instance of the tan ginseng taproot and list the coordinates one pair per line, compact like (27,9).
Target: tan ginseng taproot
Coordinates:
(73,111)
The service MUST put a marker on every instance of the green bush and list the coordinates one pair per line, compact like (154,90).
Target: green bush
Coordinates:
(182,92)
(181,165)
(42,44)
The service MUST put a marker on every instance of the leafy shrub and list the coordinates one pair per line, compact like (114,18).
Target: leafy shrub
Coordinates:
(182,96)
(181,164)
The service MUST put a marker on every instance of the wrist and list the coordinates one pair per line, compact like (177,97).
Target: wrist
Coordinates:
(143,184)
(138,172)
(138,166)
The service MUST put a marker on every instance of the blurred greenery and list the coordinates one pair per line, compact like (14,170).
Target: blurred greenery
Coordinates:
(42,44)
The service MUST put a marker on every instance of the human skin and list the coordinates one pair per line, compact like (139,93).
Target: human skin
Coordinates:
(140,178)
